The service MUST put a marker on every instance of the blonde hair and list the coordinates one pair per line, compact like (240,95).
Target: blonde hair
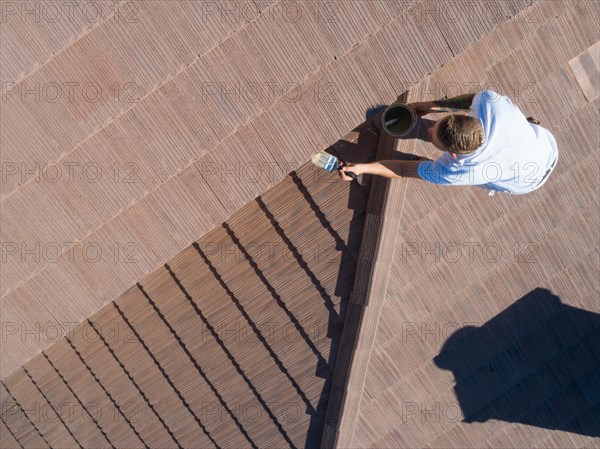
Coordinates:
(460,133)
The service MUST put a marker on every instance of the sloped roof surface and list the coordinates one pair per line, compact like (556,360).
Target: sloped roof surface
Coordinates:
(182,89)
(231,344)
(488,336)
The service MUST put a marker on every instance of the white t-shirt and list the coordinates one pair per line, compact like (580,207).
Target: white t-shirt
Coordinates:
(514,157)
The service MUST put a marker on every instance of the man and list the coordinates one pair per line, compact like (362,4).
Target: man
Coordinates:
(490,144)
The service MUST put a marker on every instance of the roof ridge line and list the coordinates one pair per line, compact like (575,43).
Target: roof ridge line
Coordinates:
(380,230)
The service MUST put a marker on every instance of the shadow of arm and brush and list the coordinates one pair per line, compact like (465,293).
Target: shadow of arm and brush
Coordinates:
(536,363)
(359,145)
(368,145)
(399,164)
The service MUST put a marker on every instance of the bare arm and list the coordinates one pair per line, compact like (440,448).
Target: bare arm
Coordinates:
(456,104)
(392,169)
(462,102)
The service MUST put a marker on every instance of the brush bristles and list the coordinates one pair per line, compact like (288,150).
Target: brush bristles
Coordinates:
(326,161)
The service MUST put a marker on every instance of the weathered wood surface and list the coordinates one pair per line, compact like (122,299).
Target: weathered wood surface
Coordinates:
(231,344)
(521,271)
(201,109)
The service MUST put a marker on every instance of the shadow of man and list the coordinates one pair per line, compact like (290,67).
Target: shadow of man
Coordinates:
(536,363)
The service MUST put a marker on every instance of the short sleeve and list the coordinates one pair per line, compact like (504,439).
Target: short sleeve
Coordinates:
(439,173)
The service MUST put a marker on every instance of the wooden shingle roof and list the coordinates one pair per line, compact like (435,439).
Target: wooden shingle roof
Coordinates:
(233,262)
(488,335)
(232,343)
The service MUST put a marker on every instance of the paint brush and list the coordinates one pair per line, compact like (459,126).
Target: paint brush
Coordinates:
(330,163)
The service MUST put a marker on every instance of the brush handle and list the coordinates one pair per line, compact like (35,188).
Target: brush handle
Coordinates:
(351,174)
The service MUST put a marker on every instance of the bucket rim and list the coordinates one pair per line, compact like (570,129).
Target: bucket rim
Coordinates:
(413,122)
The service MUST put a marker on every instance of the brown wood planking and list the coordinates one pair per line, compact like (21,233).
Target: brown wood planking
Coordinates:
(342,24)
(240,168)
(356,83)
(284,351)
(288,43)
(319,197)
(204,21)
(43,374)
(29,438)
(172,121)
(127,403)
(217,14)
(59,204)
(161,173)
(102,200)
(147,376)
(294,129)
(546,27)
(544,213)
(370,284)
(463,23)
(111,191)
(8,440)
(153,65)
(228,86)
(586,68)
(26,322)
(41,412)
(89,394)
(31,146)
(403,68)
(22,422)
(52,28)
(172,356)
(315,257)
(126,253)
(504,40)
(171,208)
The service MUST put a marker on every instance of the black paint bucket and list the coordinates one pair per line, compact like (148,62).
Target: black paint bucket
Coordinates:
(398,119)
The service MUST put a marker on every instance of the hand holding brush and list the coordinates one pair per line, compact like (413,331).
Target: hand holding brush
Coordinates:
(331,163)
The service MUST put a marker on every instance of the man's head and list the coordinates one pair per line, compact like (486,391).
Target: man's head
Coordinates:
(459,134)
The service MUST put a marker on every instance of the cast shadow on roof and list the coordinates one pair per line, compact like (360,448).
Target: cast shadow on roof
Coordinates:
(362,148)
(535,363)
